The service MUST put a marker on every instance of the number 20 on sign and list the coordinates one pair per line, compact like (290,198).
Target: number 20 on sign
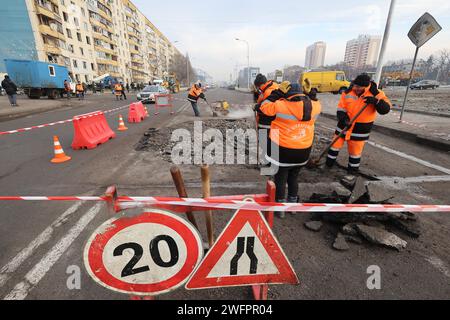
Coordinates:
(149,254)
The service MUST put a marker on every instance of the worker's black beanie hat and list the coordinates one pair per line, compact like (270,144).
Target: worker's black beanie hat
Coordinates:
(362,80)
(260,80)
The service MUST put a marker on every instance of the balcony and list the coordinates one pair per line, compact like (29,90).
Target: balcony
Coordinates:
(47,30)
(52,49)
(102,37)
(103,14)
(108,62)
(103,49)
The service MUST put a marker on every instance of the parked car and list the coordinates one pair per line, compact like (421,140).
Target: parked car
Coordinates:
(424,84)
(149,92)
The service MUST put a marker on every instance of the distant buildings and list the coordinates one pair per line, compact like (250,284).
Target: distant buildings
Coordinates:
(91,38)
(243,77)
(315,55)
(203,77)
(362,51)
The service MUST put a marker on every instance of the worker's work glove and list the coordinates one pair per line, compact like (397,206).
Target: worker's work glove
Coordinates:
(256,107)
(306,86)
(374,89)
(371,100)
(313,95)
(284,87)
(343,119)
(276,95)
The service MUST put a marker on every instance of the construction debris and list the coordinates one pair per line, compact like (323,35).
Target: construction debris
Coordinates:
(381,237)
(314,225)
(354,227)
(340,243)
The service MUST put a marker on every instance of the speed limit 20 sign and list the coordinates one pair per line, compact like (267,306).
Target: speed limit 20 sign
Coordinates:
(149,254)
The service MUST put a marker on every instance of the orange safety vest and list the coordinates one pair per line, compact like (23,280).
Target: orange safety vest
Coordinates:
(194,93)
(118,89)
(80,88)
(351,104)
(266,90)
(294,125)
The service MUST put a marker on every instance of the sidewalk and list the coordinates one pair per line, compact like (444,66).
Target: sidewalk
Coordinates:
(433,131)
(29,106)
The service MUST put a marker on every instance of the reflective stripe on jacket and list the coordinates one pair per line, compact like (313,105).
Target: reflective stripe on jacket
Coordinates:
(195,93)
(294,122)
(351,104)
(264,121)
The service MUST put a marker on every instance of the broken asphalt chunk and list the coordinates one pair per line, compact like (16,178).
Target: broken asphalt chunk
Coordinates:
(340,243)
(359,190)
(314,225)
(378,193)
(381,237)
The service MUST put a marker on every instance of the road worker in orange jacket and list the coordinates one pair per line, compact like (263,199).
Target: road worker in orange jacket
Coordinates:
(291,135)
(118,89)
(196,93)
(266,90)
(79,88)
(362,92)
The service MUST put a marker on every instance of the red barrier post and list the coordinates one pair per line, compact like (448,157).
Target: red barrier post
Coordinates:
(91,130)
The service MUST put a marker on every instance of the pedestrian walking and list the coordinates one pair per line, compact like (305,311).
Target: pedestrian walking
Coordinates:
(11,90)
(123,91)
(196,93)
(67,89)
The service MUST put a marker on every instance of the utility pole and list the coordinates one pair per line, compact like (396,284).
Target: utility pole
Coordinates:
(387,32)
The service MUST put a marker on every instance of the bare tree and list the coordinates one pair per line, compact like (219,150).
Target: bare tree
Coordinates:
(180,67)
(442,62)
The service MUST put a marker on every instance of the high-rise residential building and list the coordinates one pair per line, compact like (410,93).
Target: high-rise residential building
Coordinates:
(362,51)
(91,37)
(315,55)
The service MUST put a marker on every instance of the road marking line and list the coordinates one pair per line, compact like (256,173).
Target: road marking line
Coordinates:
(439,264)
(403,155)
(416,179)
(45,236)
(33,277)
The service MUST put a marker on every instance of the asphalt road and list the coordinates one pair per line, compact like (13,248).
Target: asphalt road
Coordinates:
(39,241)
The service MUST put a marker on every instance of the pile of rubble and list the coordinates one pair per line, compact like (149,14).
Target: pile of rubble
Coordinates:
(357,227)
(160,141)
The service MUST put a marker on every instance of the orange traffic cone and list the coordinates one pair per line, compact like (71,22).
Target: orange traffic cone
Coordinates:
(122,124)
(60,156)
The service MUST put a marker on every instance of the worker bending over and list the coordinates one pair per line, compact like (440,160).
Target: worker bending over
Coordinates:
(291,135)
(196,93)
(362,92)
(264,91)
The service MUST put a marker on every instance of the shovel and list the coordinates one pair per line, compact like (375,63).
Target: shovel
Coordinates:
(212,109)
(314,163)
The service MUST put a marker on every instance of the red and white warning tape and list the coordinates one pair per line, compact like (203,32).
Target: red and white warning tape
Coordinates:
(224,204)
(58,122)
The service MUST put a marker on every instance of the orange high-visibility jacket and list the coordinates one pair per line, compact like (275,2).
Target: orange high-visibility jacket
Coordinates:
(264,121)
(351,104)
(118,88)
(80,88)
(195,93)
(294,123)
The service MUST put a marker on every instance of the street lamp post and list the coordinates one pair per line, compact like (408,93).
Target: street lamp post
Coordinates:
(387,31)
(248,61)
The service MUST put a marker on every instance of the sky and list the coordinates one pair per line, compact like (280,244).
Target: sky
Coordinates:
(279,32)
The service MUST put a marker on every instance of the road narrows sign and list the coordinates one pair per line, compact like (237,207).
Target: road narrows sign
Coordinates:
(149,254)
(246,253)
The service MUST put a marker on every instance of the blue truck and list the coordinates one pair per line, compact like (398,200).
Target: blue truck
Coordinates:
(38,79)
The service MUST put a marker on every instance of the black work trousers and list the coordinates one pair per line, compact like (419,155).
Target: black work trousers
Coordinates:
(289,176)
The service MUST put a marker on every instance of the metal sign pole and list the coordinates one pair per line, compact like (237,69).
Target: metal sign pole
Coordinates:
(409,83)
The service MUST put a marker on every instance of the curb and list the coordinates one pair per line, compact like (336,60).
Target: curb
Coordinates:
(431,142)
(24,113)
(434,114)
